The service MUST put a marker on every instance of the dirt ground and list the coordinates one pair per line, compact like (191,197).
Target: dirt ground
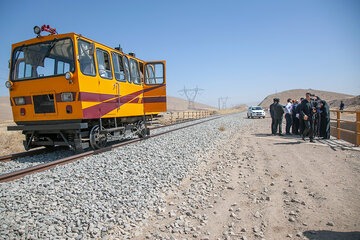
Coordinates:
(265,187)
(10,141)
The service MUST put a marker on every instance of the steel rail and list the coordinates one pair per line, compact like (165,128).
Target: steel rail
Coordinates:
(46,166)
(33,152)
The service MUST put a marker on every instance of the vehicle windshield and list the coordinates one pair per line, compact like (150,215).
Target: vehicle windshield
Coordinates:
(43,60)
(256,108)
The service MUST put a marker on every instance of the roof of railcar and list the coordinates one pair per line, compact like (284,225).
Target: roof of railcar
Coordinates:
(51,37)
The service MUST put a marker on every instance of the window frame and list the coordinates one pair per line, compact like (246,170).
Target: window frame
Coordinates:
(128,64)
(138,70)
(122,61)
(145,73)
(82,40)
(97,63)
(42,77)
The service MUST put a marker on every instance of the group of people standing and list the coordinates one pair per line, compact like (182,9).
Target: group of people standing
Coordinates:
(307,117)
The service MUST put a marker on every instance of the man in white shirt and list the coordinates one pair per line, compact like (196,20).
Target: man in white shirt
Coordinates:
(288,116)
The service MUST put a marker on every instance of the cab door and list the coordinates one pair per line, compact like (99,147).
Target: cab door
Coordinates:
(154,87)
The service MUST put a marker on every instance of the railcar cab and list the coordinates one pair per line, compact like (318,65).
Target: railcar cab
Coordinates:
(69,90)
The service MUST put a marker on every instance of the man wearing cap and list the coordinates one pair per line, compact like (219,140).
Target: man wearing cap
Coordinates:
(278,116)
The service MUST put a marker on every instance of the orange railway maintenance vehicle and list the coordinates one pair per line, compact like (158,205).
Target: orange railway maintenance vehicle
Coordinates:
(68,90)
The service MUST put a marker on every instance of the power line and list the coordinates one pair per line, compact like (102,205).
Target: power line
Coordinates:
(222,102)
(190,95)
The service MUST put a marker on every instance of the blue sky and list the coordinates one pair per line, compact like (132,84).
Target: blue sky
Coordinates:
(241,49)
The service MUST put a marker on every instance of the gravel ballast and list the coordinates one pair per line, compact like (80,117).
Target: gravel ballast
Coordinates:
(109,194)
(30,161)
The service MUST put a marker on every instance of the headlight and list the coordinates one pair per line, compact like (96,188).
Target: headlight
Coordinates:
(8,84)
(67,97)
(68,75)
(37,30)
(19,100)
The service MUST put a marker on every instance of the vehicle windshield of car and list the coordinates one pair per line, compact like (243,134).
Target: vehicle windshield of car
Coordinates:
(45,59)
(256,108)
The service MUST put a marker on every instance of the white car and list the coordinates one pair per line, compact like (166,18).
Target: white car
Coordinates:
(255,111)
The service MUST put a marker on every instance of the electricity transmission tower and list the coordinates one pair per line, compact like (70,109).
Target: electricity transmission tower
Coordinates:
(222,102)
(190,95)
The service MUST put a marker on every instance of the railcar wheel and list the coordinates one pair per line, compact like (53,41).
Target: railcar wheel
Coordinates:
(142,131)
(97,140)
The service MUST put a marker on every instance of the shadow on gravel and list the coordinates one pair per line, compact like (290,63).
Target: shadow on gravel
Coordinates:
(329,235)
(262,134)
(288,143)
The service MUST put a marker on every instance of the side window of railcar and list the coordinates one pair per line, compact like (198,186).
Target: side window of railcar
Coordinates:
(154,73)
(104,65)
(126,67)
(135,75)
(86,59)
(118,67)
(141,70)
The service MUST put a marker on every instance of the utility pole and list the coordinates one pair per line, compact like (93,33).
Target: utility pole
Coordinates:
(222,102)
(190,95)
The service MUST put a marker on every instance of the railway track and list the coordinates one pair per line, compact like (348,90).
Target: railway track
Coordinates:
(33,152)
(45,166)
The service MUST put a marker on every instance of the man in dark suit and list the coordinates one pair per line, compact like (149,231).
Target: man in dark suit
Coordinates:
(306,113)
(272,116)
(278,116)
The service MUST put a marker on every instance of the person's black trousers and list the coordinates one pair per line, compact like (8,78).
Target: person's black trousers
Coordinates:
(301,126)
(325,128)
(272,125)
(288,123)
(295,126)
(309,129)
(277,124)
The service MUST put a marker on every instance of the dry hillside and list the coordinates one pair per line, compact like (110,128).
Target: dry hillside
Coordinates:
(350,103)
(5,109)
(298,93)
(179,104)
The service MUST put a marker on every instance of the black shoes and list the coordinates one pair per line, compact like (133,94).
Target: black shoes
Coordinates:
(312,140)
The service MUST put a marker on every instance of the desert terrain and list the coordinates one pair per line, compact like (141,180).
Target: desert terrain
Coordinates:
(265,187)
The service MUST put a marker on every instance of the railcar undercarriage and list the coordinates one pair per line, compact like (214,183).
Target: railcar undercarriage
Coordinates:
(93,133)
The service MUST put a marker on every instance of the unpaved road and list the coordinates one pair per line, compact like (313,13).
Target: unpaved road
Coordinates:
(260,186)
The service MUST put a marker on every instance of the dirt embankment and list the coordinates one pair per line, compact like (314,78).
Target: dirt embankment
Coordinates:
(262,186)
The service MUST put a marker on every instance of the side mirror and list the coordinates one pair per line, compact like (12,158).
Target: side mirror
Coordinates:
(91,49)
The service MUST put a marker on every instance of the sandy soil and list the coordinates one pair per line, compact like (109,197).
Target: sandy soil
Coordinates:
(266,187)
(10,141)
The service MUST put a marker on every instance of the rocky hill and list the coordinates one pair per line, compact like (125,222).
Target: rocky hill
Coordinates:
(298,93)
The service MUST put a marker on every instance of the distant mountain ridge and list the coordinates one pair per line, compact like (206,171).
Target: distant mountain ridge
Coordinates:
(298,93)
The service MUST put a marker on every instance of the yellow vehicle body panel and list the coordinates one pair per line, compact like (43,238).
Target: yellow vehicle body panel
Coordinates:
(93,97)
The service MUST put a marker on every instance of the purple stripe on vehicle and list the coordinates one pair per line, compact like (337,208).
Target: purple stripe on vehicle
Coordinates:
(154,99)
(94,97)
(101,109)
